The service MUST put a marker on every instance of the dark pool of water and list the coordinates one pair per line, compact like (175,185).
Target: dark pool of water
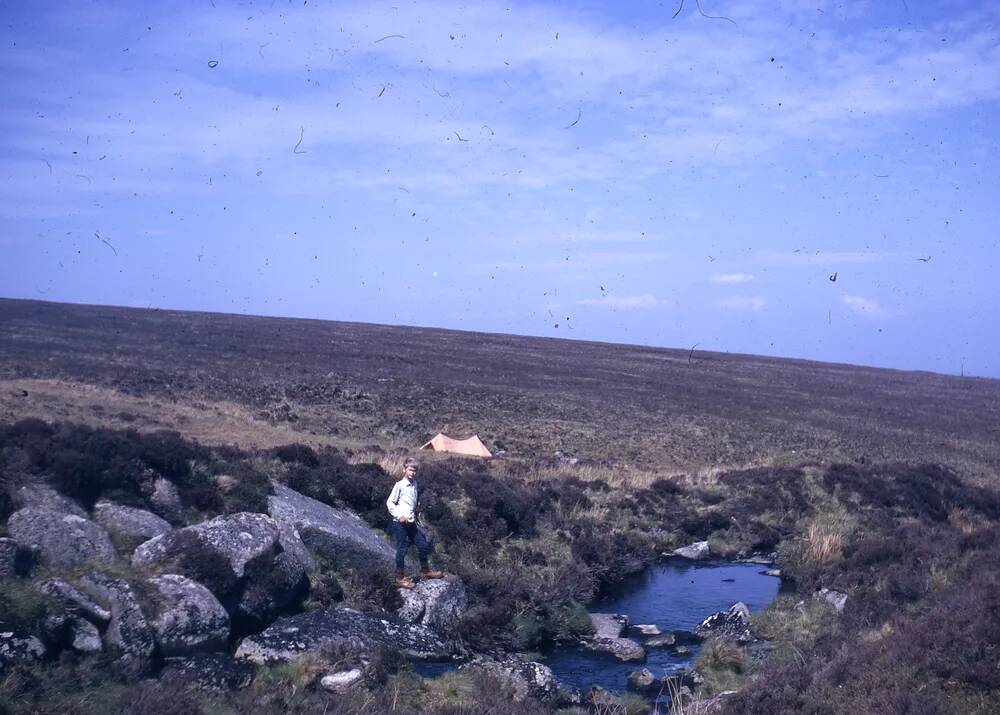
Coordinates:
(675,596)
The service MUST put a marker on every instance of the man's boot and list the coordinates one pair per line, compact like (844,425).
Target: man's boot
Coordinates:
(404,581)
(427,572)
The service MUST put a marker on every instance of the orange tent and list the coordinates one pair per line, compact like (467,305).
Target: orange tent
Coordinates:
(472,446)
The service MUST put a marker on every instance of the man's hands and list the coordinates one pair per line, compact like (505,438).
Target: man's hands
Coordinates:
(403,520)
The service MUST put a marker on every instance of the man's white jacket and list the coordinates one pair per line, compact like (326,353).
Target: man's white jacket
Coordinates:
(403,499)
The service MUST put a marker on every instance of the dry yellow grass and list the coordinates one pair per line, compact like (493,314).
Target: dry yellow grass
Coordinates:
(824,543)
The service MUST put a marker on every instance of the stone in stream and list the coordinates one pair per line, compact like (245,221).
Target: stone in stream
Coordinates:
(290,638)
(645,629)
(733,624)
(697,551)
(772,572)
(609,637)
(643,680)
(62,540)
(663,640)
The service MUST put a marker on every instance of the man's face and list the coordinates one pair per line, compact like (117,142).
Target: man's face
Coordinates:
(410,471)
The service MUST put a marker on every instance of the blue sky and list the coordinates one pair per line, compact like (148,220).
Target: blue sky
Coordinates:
(611,171)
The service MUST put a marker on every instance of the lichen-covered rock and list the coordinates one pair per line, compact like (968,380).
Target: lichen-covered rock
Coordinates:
(62,540)
(290,638)
(84,636)
(238,538)
(165,501)
(75,602)
(270,589)
(42,496)
(609,637)
(526,678)
(128,634)
(185,616)
(733,624)
(16,648)
(311,527)
(208,671)
(696,552)
(837,599)
(215,553)
(129,521)
(434,602)
(342,681)
(15,560)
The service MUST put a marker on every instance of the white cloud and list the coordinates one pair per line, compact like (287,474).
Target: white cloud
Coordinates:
(863,306)
(624,302)
(752,303)
(731,278)
(814,257)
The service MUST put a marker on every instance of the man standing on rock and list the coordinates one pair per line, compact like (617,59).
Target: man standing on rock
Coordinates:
(403,503)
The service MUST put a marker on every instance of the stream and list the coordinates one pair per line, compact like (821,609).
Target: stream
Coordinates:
(674,596)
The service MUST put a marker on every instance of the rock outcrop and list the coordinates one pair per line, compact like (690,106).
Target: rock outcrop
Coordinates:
(185,616)
(62,540)
(289,638)
(609,637)
(165,501)
(310,527)
(73,601)
(733,625)
(84,636)
(128,634)
(526,678)
(216,553)
(42,496)
(270,589)
(435,603)
(15,560)
(208,671)
(16,648)
(129,521)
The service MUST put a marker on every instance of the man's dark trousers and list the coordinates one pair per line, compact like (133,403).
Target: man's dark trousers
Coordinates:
(406,534)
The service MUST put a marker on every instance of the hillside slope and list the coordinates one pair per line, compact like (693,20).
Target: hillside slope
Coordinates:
(354,384)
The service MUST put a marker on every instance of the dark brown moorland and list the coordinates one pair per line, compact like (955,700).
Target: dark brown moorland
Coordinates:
(654,409)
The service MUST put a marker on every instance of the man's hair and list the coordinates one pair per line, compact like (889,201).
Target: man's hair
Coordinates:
(411,462)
